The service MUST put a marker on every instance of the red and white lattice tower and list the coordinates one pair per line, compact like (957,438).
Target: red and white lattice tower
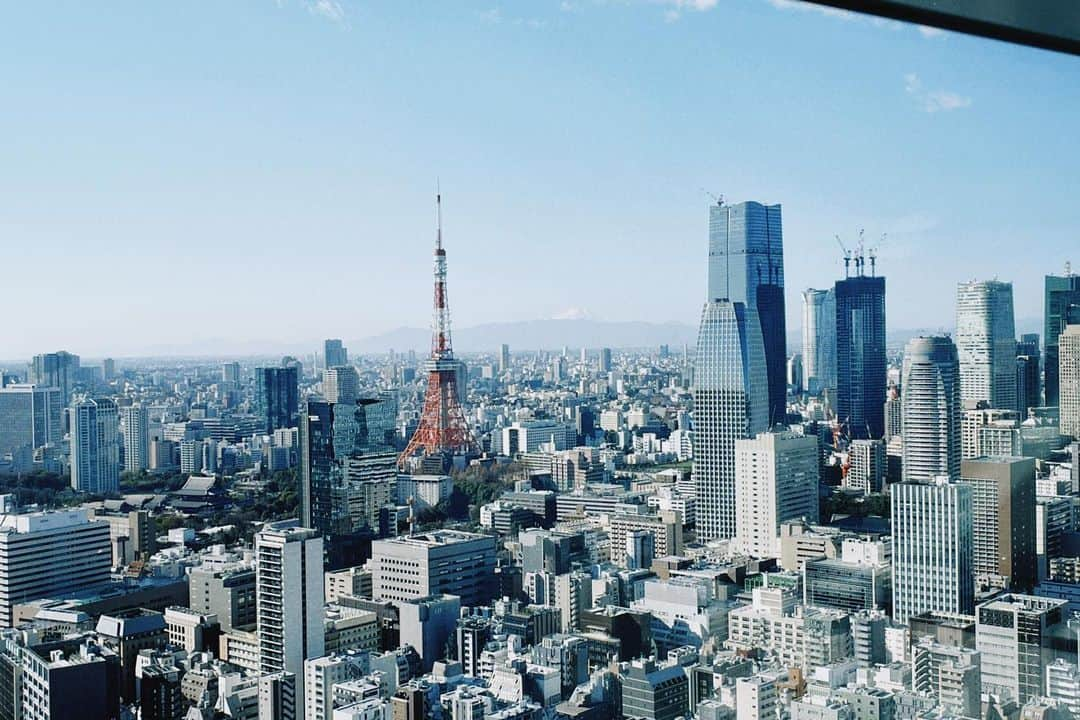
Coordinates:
(443,429)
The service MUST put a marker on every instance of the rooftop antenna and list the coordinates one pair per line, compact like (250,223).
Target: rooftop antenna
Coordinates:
(847,255)
(1068,269)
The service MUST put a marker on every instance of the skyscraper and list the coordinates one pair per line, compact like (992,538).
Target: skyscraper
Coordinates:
(861,366)
(1069,373)
(29,417)
(746,265)
(277,396)
(1003,509)
(135,425)
(931,409)
(335,354)
(1061,308)
(342,447)
(504,358)
(58,369)
(1028,373)
(986,343)
(341,384)
(819,339)
(95,447)
(289,591)
(730,402)
(776,479)
(932,550)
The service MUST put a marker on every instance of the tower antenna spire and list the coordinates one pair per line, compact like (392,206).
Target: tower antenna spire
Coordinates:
(443,429)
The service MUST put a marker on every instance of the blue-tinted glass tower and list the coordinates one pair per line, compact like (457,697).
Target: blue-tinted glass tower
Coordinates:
(861,366)
(1062,308)
(277,396)
(746,265)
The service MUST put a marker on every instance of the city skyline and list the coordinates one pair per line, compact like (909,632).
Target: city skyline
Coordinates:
(218,166)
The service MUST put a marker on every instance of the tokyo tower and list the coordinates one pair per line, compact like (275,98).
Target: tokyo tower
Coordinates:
(443,430)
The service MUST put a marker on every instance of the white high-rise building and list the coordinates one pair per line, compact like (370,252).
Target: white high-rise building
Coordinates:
(933,560)
(931,409)
(756,698)
(986,343)
(731,401)
(1069,379)
(289,598)
(776,479)
(95,446)
(819,339)
(867,466)
(135,424)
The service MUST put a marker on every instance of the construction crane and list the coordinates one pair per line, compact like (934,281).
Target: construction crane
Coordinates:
(847,255)
(873,253)
(718,199)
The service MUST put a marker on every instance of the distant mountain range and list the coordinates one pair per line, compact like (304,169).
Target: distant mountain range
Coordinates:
(536,335)
(580,332)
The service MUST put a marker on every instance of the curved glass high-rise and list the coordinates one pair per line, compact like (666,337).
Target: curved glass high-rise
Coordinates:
(819,339)
(746,265)
(931,409)
(731,401)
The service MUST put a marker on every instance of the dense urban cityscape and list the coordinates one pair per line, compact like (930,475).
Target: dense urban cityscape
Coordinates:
(839,531)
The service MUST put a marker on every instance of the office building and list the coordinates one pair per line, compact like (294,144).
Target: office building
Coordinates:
(867,466)
(931,424)
(230,373)
(30,417)
(665,527)
(776,479)
(648,691)
(58,370)
(932,548)
(427,624)
(605,360)
(1013,634)
(95,447)
(226,592)
(440,562)
(986,343)
(504,358)
(860,355)
(289,597)
(278,697)
(1061,308)
(135,425)
(1069,379)
(70,679)
(341,384)
(1028,374)
(334,354)
(795,373)
(277,397)
(730,402)
(640,549)
(1003,510)
(746,265)
(819,340)
(51,554)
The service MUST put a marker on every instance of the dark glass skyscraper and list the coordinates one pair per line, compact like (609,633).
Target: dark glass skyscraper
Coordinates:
(346,470)
(277,396)
(861,364)
(746,265)
(1062,308)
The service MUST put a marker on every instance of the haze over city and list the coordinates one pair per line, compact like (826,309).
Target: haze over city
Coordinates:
(257,173)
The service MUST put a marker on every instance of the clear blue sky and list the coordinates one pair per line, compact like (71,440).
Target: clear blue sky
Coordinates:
(261,171)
